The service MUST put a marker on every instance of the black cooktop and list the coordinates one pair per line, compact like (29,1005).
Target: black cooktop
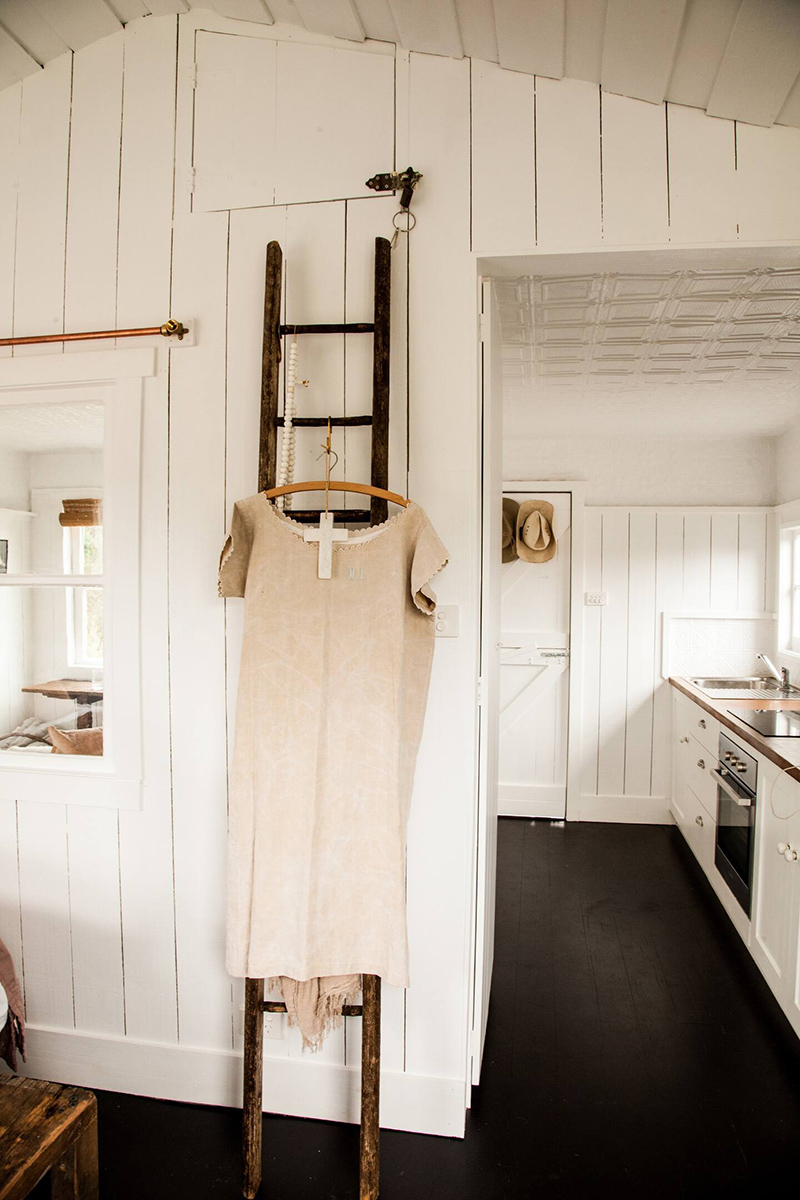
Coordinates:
(770,722)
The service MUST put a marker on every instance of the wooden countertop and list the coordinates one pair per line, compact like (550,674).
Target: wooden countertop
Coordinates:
(784,752)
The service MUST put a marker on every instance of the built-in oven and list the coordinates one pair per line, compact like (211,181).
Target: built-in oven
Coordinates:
(737,781)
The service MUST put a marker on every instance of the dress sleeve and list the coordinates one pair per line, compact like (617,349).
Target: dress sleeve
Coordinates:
(429,558)
(235,557)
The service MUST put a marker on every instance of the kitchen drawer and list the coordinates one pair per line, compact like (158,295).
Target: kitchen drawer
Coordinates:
(696,825)
(699,763)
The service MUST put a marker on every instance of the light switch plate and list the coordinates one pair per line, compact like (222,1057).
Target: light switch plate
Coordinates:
(595,598)
(447,619)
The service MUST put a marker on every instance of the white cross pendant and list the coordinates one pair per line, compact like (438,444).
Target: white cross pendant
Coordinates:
(326,535)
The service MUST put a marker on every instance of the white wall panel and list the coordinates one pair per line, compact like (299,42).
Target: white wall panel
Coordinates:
(10,111)
(592,648)
(642,652)
(613,654)
(702,176)
(335,121)
(234,122)
(42,202)
(768,182)
(651,561)
(44,903)
(15,63)
(634,171)
(143,298)
(96,130)
(503,180)
(567,164)
(197,521)
(442,313)
(96,919)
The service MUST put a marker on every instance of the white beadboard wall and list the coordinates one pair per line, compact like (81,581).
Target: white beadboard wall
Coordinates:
(650,561)
(117,919)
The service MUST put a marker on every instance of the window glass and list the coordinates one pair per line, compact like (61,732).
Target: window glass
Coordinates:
(50,702)
(51,632)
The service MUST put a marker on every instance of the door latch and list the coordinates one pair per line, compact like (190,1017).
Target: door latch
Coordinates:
(393,181)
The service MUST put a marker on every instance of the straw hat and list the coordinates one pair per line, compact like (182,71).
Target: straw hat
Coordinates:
(535,539)
(510,508)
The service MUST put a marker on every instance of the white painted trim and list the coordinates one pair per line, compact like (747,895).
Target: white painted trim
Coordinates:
(98,366)
(295,1087)
(577,491)
(531,800)
(115,780)
(628,810)
(698,614)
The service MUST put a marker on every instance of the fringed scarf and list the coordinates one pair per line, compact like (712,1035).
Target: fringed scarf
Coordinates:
(315,1005)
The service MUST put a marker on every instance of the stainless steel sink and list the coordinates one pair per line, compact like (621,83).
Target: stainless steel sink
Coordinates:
(750,687)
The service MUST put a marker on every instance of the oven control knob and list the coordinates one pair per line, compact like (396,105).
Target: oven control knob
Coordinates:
(741,767)
(728,755)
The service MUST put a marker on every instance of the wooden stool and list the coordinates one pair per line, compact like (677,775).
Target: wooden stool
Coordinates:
(47,1127)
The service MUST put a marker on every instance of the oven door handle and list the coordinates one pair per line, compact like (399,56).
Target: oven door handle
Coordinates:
(742,801)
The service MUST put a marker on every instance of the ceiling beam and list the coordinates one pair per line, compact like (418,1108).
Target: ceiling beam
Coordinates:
(761,63)
(15,63)
(707,26)
(476,22)
(337,18)
(28,27)
(241,10)
(428,27)
(78,22)
(531,35)
(639,47)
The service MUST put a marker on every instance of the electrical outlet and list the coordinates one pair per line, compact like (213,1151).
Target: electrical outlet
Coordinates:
(446,620)
(595,598)
(275,1026)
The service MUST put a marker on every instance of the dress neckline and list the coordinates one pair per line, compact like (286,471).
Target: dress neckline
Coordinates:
(363,536)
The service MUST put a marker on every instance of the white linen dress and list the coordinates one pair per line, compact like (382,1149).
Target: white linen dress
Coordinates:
(332,695)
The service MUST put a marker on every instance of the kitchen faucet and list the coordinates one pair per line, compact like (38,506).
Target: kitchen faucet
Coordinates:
(782,676)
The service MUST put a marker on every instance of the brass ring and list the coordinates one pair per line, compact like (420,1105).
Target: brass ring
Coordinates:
(411,220)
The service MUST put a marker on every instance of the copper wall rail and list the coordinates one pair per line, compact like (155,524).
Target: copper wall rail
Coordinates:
(170,328)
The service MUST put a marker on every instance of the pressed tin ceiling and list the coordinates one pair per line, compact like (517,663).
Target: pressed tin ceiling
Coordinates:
(699,346)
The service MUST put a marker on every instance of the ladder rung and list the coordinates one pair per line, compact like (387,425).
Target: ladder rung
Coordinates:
(322,422)
(310,516)
(276,1006)
(350,327)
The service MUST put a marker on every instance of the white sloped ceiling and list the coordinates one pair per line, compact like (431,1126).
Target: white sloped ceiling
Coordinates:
(738,59)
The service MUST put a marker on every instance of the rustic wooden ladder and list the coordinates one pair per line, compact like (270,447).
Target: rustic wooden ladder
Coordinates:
(254,1003)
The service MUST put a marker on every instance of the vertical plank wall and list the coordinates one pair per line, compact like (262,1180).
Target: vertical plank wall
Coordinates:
(117,920)
(650,561)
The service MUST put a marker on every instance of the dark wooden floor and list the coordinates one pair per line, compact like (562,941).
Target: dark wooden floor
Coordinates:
(633,1051)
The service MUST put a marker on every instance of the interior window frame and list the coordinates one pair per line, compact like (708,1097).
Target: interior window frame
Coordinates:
(115,779)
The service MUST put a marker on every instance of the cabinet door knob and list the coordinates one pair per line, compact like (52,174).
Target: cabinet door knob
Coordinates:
(683,739)
(701,762)
(788,852)
(701,723)
(699,821)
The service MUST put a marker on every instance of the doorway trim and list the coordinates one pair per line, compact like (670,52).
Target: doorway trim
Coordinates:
(577,492)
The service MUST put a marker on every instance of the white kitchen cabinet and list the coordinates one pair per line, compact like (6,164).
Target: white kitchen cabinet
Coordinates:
(776,902)
(773,932)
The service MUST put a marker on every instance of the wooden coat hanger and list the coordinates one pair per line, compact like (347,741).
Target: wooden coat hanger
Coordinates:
(326,535)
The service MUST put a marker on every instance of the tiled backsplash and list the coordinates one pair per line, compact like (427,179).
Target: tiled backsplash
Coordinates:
(718,645)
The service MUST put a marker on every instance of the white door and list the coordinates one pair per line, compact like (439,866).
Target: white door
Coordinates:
(534,674)
(491,383)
